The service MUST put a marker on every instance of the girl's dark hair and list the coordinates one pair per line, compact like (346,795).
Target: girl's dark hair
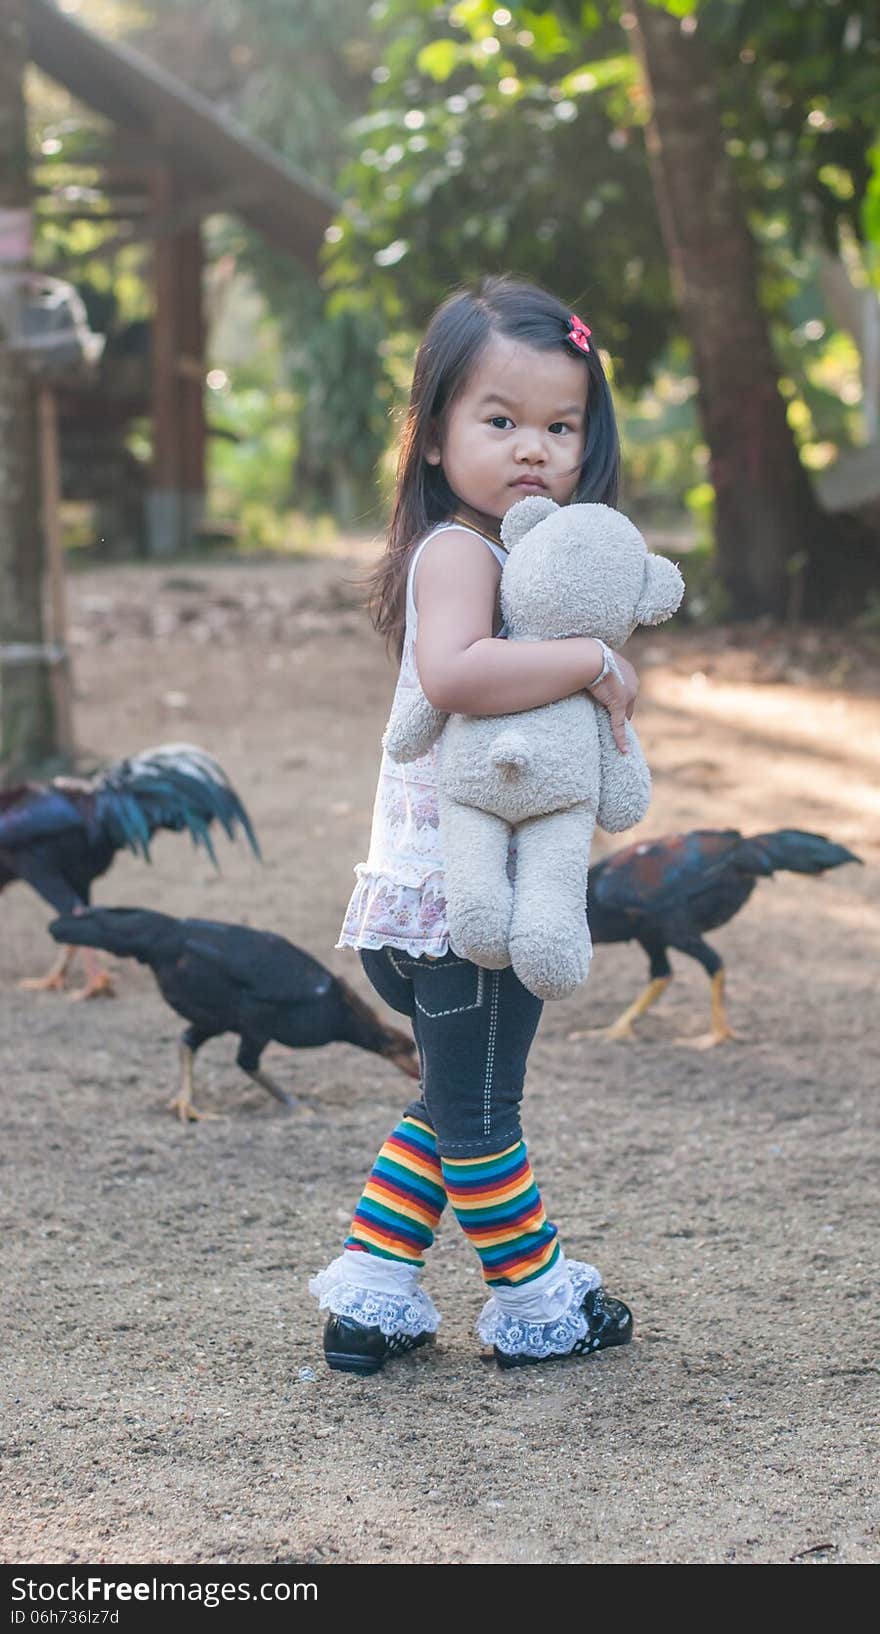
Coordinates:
(455,337)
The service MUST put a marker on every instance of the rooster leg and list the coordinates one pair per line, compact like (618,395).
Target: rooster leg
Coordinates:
(248,1058)
(182,1103)
(99,982)
(53,981)
(622,1028)
(721,1029)
(661,976)
(261,1077)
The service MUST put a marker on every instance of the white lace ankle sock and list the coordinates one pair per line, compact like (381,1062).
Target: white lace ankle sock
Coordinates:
(544,1317)
(379,1292)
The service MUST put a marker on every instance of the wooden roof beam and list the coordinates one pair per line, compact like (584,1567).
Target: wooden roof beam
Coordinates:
(188,214)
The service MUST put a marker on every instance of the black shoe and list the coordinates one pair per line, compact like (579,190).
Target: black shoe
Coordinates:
(609,1322)
(352,1347)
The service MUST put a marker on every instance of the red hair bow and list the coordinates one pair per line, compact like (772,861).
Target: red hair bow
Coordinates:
(578,333)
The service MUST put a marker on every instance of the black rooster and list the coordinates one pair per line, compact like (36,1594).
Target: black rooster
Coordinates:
(60,836)
(665,893)
(230,979)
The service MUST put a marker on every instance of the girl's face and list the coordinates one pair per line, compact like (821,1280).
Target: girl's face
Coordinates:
(517,427)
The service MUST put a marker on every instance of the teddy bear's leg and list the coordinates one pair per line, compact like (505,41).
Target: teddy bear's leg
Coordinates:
(479,895)
(550,947)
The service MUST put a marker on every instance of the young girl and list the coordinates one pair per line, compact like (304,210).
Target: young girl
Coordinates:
(508,398)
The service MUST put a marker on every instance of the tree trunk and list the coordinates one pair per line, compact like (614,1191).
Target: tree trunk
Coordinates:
(28,729)
(768,523)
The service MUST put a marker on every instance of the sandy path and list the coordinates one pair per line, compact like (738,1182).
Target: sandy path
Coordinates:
(164,1394)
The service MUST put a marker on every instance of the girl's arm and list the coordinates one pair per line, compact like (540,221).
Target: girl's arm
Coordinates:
(464,670)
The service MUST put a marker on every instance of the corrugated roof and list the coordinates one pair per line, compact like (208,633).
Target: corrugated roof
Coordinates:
(206,148)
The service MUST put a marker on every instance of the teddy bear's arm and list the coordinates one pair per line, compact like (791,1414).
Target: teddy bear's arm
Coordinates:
(625,787)
(414,725)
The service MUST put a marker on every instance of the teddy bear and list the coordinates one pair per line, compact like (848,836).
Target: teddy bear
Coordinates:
(520,795)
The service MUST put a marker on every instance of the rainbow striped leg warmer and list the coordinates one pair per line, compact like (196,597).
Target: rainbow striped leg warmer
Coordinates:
(403,1198)
(499,1208)
(375,1280)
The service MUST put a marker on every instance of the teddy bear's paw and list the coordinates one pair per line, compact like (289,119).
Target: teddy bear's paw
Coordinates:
(551,966)
(615,817)
(474,942)
(411,731)
(480,930)
(488,958)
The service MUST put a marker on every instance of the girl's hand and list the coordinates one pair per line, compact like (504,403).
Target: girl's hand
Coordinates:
(618,696)
(630,681)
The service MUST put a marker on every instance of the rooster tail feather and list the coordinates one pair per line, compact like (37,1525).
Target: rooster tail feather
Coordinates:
(176,786)
(121,818)
(793,850)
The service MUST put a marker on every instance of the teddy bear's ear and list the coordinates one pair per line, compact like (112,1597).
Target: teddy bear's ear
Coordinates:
(661,592)
(523,516)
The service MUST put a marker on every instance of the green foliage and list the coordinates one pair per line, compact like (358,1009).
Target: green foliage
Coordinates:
(309,415)
(705,599)
(662,450)
(494,147)
(253,447)
(466,143)
(296,75)
(510,140)
(798,88)
(871,208)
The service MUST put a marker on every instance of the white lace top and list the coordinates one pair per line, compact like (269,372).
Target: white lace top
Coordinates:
(398,900)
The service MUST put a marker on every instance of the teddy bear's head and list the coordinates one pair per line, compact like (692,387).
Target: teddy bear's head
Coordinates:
(581,570)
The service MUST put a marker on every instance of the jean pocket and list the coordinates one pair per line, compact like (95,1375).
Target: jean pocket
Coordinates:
(449,989)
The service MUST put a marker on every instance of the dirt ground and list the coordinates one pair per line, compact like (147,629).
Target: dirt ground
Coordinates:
(166,1399)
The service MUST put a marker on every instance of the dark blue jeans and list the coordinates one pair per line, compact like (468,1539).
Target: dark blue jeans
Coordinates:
(474,1029)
